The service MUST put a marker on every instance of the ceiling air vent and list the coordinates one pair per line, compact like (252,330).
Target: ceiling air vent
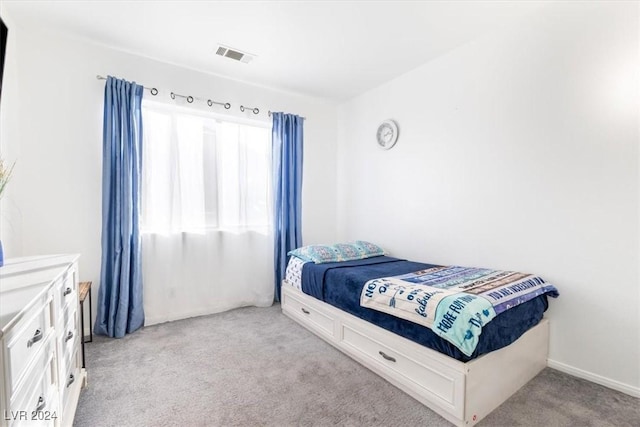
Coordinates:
(235,54)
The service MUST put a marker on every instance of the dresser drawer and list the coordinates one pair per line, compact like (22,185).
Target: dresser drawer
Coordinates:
(440,384)
(66,316)
(26,339)
(45,412)
(68,340)
(71,378)
(309,314)
(36,398)
(48,416)
(66,290)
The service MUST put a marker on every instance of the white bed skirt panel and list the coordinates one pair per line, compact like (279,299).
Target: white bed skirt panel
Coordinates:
(186,275)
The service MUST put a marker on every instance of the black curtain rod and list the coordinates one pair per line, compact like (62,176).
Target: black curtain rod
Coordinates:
(210,103)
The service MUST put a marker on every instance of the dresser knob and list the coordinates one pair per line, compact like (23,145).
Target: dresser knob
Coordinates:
(67,292)
(70,380)
(68,337)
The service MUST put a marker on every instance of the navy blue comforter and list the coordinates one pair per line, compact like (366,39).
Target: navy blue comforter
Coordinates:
(340,284)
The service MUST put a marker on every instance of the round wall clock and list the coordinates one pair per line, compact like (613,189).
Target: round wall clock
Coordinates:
(387,134)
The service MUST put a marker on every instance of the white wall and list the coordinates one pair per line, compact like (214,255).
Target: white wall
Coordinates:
(9,211)
(56,126)
(517,151)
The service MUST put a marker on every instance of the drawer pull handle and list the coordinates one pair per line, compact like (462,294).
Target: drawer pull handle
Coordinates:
(305,311)
(387,357)
(68,337)
(70,380)
(41,404)
(36,337)
(67,292)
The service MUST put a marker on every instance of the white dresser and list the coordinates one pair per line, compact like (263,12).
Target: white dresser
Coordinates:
(41,357)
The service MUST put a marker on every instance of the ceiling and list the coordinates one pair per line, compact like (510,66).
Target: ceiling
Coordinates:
(328,49)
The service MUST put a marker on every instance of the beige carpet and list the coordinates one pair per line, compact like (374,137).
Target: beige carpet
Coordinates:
(256,367)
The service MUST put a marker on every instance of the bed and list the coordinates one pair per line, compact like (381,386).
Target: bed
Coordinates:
(328,298)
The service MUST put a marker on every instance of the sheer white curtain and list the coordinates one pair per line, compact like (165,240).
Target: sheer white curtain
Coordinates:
(207,244)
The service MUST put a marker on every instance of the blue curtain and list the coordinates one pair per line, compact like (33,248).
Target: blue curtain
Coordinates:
(120,309)
(287,179)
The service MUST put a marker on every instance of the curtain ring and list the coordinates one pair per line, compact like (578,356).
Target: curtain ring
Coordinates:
(226,105)
(154,91)
(242,108)
(189,99)
(173,95)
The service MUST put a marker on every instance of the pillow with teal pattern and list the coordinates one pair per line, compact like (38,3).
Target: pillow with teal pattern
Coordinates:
(348,251)
(316,253)
(320,254)
(369,249)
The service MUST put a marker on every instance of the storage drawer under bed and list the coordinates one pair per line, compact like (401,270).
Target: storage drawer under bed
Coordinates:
(320,321)
(442,384)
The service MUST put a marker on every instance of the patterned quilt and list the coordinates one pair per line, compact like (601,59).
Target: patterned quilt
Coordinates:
(455,302)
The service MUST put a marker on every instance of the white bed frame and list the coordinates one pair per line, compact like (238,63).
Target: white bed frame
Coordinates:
(463,393)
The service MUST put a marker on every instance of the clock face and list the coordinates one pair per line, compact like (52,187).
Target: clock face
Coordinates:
(387,134)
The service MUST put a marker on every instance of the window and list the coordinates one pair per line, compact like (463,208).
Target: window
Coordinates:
(201,172)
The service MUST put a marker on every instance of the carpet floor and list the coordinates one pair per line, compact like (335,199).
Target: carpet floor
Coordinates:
(254,366)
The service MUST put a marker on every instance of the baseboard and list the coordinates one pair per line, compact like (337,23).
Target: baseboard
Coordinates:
(595,378)
(155,320)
